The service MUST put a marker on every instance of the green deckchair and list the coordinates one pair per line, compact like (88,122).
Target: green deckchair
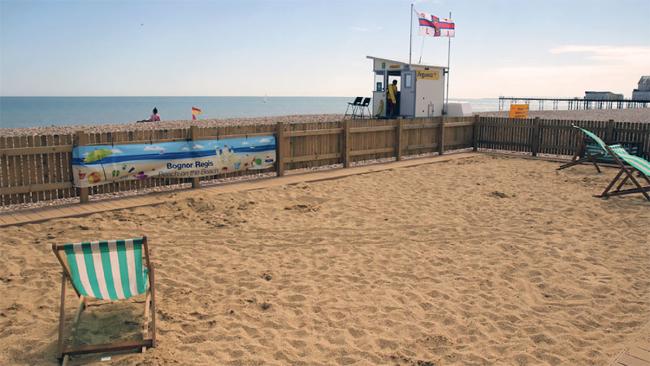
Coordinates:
(626,172)
(107,270)
(584,153)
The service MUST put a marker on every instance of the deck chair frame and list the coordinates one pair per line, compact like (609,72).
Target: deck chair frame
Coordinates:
(626,172)
(148,326)
(583,155)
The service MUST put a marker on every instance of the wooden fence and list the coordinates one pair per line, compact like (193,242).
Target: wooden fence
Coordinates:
(39,168)
(555,137)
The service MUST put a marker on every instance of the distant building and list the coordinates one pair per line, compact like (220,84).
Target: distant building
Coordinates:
(600,95)
(643,92)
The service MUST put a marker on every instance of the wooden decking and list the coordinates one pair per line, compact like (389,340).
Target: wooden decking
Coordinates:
(637,355)
(75,210)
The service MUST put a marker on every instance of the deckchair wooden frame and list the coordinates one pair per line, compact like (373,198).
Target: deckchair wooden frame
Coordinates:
(628,170)
(148,333)
(581,155)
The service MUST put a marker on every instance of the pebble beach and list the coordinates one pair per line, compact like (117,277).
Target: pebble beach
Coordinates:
(622,115)
(116,127)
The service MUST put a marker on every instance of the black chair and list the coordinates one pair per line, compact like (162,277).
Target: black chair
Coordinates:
(356,104)
(365,106)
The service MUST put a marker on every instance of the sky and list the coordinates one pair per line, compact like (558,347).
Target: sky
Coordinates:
(316,48)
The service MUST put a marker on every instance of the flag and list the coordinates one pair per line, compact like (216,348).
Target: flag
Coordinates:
(431,25)
(195,112)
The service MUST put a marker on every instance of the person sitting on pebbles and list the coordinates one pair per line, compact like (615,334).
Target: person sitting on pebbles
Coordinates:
(154,116)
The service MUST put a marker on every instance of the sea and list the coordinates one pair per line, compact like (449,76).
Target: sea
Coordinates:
(16,112)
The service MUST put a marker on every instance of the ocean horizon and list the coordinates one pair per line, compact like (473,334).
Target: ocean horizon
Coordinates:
(19,112)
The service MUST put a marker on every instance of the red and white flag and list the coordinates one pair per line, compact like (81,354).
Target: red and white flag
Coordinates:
(431,25)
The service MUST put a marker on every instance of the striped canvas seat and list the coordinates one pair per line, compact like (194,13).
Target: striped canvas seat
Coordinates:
(107,270)
(637,162)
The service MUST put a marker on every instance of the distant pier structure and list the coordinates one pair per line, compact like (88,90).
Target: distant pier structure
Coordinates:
(592,100)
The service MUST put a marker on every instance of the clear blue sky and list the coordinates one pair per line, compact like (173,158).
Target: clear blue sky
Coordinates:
(315,48)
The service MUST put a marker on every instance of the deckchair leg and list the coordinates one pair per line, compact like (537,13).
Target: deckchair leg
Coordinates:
(61,318)
(620,185)
(152,285)
(618,192)
(145,325)
(639,188)
(611,184)
(643,190)
(575,161)
(592,158)
(82,305)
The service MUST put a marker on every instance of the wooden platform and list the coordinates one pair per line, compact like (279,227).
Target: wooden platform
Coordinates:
(75,210)
(637,355)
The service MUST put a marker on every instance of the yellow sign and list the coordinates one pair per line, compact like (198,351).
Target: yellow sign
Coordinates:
(427,74)
(395,66)
(518,111)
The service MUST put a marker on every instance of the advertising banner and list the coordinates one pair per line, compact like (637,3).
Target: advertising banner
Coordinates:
(100,164)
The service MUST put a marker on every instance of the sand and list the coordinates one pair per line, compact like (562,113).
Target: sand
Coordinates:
(480,261)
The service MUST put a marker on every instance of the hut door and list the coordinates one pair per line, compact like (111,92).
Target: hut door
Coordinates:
(407,94)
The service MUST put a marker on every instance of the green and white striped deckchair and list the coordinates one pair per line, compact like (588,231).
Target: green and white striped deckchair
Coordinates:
(583,154)
(107,270)
(628,164)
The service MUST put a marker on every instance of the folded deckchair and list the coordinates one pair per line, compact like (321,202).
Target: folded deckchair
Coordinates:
(107,270)
(628,164)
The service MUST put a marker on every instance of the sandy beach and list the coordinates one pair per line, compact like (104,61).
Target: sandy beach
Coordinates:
(480,261)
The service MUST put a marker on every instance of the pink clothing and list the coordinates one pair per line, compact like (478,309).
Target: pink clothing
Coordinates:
(154,118)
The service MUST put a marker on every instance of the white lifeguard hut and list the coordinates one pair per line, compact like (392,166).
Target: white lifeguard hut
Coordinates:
(421,88)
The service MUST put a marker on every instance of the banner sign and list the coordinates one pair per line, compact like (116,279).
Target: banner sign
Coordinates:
(518,111)
(100,164)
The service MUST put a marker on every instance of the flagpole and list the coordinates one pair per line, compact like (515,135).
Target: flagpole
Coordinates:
(411,35)
(448,63)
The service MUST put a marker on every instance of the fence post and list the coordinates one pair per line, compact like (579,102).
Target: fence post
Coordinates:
(609,132)
(346,143)
(398,139)
(477,118)
(279,148)
(534,136)
(645,144)
(441,136)
(194,134)
(81,140)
